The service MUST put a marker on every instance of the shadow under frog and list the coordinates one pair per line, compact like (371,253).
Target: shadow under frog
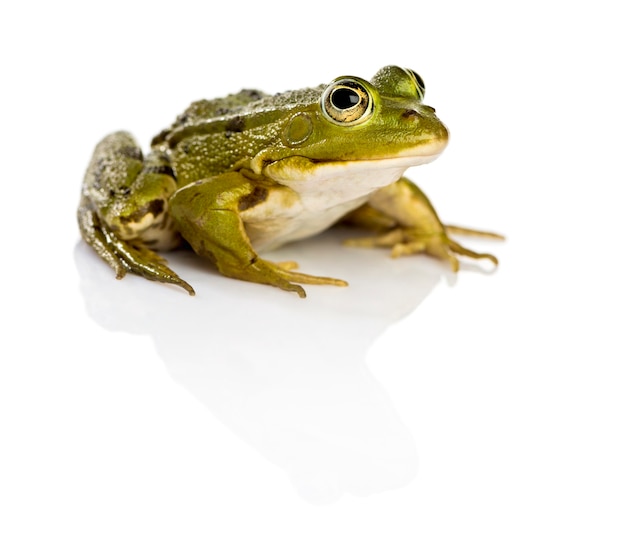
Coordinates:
(288,376)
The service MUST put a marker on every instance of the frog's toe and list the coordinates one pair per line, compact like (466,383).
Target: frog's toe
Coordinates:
(264,272)
(466,231)
(285,270)
(414,244)
(449,251)
(278,274)
(90,230)
(287,265)
(391,239)
(147,263)
(124,257)
(463,251)
(410,248)
(408,241)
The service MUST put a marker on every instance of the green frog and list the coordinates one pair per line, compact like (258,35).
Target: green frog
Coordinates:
(236,176)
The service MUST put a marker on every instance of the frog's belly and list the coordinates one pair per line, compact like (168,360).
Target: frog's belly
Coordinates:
(315,200)
(296,225)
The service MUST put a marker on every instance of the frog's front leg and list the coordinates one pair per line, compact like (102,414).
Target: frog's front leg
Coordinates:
(411,225)
(123,212)
(208,214)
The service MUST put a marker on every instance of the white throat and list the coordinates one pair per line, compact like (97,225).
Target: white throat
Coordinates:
(326,192)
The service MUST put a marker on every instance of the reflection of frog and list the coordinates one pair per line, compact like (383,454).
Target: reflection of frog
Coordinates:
(250,172)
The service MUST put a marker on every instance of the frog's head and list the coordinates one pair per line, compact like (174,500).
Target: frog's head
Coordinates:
(379,123)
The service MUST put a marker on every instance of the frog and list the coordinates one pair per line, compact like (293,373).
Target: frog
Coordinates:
(237,176)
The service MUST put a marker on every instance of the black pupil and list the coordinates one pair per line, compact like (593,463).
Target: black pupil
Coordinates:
(344,98)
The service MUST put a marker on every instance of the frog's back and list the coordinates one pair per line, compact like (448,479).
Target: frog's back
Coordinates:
(243,103)
(205,109)
(212,136)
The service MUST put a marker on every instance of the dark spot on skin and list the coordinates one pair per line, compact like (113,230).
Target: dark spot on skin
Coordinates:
(160,137)
(253,94)
(155,207)
(258,195)
(236,124)
(159,170)
(222,111)
(185,148)
(122,191)
(253,260)
(131,152)
(409,113)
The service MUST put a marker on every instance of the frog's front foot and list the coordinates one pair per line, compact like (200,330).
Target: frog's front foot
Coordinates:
(276,274)
(208,214)
(408,241)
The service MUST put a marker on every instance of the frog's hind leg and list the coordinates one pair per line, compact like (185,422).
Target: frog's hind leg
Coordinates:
(408,224)
(98,238)
(123,210)
(124,257)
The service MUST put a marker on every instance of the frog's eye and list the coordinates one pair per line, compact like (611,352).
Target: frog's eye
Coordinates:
(347,102)
(419,83)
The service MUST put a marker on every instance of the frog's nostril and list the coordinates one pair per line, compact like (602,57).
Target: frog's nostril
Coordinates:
(422,111)
(409,112)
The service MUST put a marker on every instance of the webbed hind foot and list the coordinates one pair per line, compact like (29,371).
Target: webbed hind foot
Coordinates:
(125,257)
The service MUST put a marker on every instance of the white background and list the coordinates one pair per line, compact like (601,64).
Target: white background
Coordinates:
(411,402)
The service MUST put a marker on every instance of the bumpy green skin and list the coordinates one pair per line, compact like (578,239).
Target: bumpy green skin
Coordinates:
(250,171)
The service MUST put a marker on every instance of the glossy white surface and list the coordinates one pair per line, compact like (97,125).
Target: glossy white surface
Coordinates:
(411,402)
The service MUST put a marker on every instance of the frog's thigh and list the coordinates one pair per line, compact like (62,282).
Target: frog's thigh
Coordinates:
(128,194)
(116,160)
